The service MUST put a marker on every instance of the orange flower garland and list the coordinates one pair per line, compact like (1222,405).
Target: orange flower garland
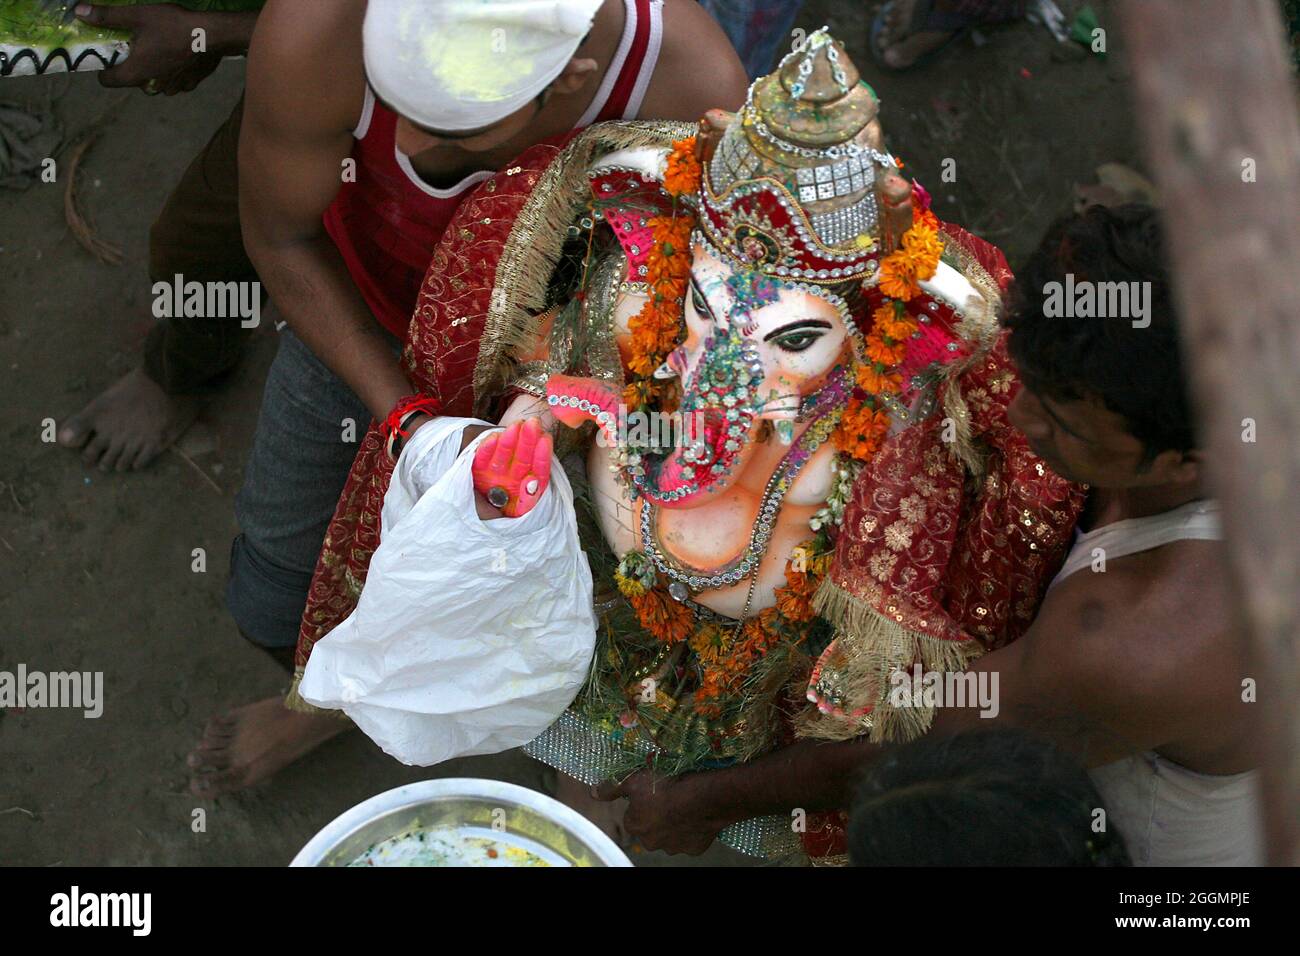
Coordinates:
(683,172)
(726,657)
(786,620)
(927,218)
(669,620)
(864,424)
(656,327)
(914,260)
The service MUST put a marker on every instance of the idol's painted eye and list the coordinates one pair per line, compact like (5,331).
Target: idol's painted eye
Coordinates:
(796,341)
(798,336)
(697,300)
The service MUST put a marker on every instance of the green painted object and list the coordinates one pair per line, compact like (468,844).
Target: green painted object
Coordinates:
(35,40)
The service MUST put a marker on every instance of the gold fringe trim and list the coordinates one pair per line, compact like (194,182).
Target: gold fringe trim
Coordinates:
(979,328)
(978,325)
(873,647)
(955,408)
(293,701)
(533,247)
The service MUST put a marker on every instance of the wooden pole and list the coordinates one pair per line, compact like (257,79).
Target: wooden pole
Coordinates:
(1216,106)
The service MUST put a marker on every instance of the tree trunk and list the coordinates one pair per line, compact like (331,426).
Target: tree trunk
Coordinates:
(1216,105)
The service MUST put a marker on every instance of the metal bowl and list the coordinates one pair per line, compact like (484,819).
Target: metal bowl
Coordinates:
(513,815)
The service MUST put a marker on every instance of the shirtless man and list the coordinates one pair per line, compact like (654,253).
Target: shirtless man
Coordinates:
(344,266)
(1133,662)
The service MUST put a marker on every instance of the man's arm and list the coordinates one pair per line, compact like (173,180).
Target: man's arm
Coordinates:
(697,70)
(305,89)
(1094,674)
(164,37)
(231,34)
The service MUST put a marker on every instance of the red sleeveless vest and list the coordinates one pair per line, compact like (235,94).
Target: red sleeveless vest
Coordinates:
(388,221)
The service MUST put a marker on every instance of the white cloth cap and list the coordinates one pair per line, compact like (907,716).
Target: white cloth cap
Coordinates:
(463,64)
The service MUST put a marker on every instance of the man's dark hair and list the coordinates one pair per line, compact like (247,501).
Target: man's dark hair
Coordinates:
(1135,372)
(979,798)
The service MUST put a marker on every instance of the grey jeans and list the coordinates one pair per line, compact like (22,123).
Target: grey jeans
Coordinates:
(308,432)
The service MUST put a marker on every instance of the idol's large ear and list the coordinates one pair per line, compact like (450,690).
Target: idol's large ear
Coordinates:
(647,160)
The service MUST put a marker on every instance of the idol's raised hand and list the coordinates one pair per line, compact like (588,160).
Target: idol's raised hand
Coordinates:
(512,468)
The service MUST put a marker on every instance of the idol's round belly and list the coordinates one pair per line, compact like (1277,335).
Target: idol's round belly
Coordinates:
(711,536)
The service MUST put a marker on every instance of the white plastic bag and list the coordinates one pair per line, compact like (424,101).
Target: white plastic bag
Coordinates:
(470,636)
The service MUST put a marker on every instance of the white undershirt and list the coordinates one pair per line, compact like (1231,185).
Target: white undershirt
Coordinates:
(1167,814)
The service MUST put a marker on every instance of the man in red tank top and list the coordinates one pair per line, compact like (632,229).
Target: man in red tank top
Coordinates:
(353,158)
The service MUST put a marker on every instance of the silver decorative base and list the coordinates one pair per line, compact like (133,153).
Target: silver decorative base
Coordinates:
(573,746)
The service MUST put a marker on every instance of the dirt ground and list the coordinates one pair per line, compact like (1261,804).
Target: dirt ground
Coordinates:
(95,569)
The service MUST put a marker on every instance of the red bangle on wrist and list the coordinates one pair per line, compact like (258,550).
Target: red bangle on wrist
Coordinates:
(403,413)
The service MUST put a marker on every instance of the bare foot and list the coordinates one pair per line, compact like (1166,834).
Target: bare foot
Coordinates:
(128,424)
(899,48)
(606,814)
(250,744)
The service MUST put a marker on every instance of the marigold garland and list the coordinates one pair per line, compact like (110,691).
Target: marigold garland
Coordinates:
(726,658)
(670,621)
(914,261)
(925,216)
(683,171)
(656,327)
(865,424)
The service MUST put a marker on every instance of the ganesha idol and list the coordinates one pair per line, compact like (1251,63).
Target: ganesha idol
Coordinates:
(851,500)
